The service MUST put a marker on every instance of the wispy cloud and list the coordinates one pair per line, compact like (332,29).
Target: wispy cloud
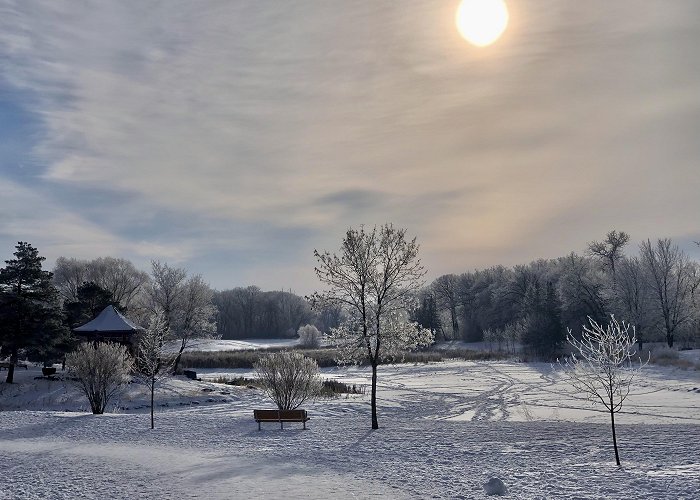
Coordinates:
(243,126)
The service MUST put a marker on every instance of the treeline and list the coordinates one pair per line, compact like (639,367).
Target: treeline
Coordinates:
(39,309)
(193,307)
(656,290)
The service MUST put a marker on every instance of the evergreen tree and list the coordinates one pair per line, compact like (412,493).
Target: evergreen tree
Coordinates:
(427,315)
(30,315)
(543,332)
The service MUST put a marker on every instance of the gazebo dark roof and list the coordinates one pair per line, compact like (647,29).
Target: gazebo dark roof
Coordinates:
(109,322)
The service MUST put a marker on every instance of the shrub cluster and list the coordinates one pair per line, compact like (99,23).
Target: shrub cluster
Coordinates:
(326,357)
(333,387)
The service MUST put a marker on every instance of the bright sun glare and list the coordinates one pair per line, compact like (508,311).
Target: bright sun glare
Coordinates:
(482,22)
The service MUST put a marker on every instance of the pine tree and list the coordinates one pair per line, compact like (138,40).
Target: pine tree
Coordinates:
(30,315)
(427,316)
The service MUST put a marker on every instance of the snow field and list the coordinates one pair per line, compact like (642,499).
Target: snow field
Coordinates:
(446,428)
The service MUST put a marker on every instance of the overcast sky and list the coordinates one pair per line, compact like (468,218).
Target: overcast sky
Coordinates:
(234,137)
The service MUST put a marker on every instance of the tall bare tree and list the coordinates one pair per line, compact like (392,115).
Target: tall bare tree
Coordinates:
(196,315)
(373,276)
(446,289)
(118,276)
(68,276)
(631,295)
(610,250)
(185,303)
(672,281)
(166,290)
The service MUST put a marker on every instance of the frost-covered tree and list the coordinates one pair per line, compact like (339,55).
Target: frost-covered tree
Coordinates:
(99,370)
(604,366)
(398,335)
(373,276)
(153,363)
(309,336)
(288,378)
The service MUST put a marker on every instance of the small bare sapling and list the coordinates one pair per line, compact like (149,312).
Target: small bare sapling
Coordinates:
(604,366)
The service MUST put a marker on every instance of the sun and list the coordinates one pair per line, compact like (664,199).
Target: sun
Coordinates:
(482,22)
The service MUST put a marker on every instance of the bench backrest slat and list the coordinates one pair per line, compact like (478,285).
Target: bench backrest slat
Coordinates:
(279,414)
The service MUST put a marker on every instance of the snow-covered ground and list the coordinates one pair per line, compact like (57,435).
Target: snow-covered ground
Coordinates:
(446,428)
(235,345)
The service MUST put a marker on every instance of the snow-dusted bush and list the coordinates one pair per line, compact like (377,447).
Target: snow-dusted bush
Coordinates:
(289,378)
(99,371)
(603,367)
(309,336)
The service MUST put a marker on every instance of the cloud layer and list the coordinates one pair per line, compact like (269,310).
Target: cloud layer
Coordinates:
(235,137)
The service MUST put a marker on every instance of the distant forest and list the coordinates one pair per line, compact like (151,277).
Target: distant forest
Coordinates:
(656,288)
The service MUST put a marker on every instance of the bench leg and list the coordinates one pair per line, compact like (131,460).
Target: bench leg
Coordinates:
(304,424)
(281,425)
(259,423)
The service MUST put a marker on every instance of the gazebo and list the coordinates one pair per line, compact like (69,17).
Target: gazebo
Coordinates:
(109,326)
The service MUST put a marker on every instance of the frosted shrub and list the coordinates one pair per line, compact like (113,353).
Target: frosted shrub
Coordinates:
(100,370)
(309,336)
(289,378)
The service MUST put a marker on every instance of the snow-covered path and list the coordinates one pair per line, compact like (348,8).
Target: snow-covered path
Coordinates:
(446,429)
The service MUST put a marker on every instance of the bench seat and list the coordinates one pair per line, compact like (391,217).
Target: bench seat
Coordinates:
(280,416)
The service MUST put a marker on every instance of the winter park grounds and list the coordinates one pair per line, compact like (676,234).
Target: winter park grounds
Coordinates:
(446,428)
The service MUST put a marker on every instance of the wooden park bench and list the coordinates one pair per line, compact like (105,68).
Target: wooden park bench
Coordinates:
(280,416)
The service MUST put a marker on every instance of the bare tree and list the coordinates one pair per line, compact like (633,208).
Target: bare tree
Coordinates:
(631,295)
(672,282)
(373,276)
(185,303)
(446,290)
(99,370)
(118,276)
(166,290)
(610,249)
(289,378)
(604,368)
(153,363)
(68,275)
(196,318)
